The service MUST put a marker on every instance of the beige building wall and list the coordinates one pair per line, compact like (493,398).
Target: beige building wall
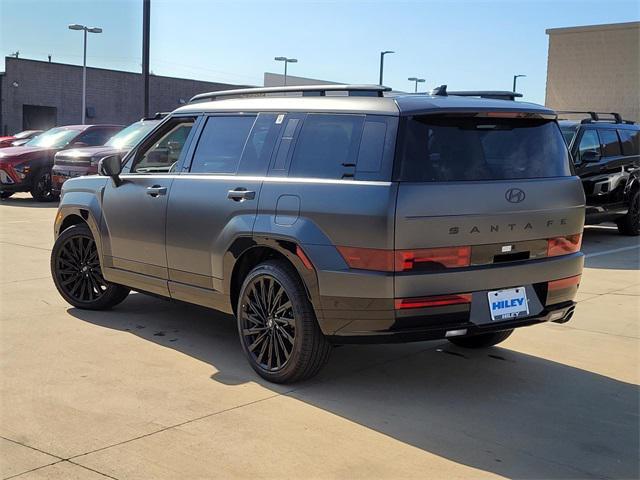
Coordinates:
(595,68)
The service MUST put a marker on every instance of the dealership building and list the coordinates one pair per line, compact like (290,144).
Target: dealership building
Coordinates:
(595,68)
(39,95)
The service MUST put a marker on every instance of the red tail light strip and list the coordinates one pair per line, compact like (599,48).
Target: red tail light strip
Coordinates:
(435,301)
(563,283)
(564,245)
(405,260)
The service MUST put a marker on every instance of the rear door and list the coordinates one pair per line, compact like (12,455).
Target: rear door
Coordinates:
(474,181)
(612,174)
(215,200)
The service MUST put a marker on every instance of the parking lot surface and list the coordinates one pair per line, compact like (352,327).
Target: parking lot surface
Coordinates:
(155,389)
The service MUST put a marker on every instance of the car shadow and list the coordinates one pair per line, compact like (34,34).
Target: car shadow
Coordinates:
(496,410)
(27,202)
(625,252)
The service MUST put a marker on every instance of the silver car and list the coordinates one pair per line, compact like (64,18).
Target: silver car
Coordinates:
(341,215)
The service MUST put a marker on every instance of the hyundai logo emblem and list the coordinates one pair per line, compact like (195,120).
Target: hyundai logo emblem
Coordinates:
(514,195)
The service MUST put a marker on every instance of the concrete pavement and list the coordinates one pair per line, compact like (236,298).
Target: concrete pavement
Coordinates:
(154,389)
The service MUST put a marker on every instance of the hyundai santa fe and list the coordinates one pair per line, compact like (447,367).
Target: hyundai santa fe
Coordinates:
(341,215)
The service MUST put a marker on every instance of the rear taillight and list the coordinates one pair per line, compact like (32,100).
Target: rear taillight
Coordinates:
(406,260)
(436,258)
(555,285)
(434,301)
(564,245)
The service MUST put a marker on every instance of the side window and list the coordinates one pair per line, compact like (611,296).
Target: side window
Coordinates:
(630,142)
(257,151)
(162,152)
(221,144)
(589,143)
(610,143)
(327,147)
(371,146)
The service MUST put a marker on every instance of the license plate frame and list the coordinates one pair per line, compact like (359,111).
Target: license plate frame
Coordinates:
(509,303)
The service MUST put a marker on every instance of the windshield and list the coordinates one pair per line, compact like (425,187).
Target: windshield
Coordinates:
(442,149)
(568,133)
(127,138)
(54,138)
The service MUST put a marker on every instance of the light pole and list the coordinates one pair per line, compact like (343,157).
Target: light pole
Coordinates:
(75,26)
(286,61)
(382,54)
(417,81)
(515,78)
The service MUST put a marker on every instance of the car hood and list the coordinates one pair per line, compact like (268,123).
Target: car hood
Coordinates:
(87,152)
(23,153)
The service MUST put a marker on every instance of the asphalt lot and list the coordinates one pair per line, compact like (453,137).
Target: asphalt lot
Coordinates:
(155,390)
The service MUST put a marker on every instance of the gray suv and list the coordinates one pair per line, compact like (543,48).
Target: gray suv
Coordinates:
(341,215)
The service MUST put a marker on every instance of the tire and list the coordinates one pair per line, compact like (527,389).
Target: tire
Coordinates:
(76,271)
(4,195)
(482,340)
(630,223)
(286,348)
(42,190)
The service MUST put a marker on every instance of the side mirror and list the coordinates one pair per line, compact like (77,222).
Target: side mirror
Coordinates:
(590,156)
(111,166)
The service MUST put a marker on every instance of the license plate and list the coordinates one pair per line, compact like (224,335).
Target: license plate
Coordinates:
(508,303)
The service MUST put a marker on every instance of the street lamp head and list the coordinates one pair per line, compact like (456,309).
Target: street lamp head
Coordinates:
(519,75)
(387,51)
(412,79)
(292,60)
(76,26)
(94,30)
(420,80)
(280,59)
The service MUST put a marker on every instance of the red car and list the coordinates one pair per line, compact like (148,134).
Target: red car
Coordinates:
(28,168)
(22,136)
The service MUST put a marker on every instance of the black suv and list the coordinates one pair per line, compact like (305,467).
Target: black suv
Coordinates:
(606,153)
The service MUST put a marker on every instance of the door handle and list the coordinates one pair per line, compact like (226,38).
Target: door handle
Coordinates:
(156,190)
(241,194)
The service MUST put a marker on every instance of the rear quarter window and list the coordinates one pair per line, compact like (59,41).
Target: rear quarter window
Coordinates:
(630,142)
(440,149)
(610,143)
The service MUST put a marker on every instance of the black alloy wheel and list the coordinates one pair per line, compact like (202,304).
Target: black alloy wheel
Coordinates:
(79,269)
(42,190)
(76,271)
(267,323)
(277,324)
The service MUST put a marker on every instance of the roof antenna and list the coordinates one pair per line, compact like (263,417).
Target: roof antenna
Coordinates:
(440,91)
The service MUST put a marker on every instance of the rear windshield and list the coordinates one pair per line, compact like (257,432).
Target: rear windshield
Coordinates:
(443,149)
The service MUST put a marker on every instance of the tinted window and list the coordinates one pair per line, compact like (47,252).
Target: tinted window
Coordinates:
(221,143)
(438,149)
(630,141)
(610,143)
(371,146)
(568,133)
(589,143)
(96,136)
(164,149)
(327,147)
(257,151)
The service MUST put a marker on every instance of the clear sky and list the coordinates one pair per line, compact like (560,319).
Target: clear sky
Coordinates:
(465,44)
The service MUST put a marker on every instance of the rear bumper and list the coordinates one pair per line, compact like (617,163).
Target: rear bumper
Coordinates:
(366,318)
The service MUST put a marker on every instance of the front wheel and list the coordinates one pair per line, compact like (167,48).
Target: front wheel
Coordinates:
(76,271)
(482,340)
(278,329)
(630,223)
(42,190)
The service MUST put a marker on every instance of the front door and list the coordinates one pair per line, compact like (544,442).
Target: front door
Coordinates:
(134,213)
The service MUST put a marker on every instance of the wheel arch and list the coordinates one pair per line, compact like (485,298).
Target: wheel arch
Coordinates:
(247,252)
(68,216)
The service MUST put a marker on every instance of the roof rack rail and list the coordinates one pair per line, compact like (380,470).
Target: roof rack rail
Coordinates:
(156,116)
(306,90)
(595,116)
(494,94)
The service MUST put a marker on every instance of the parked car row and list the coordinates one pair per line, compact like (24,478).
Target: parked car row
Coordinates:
(42,164)
(19,138)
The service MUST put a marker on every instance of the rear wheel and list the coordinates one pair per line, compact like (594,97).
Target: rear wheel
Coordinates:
(4,195)
(76,271)
(42,190)
(277,325)
(482,340)
(630,223)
